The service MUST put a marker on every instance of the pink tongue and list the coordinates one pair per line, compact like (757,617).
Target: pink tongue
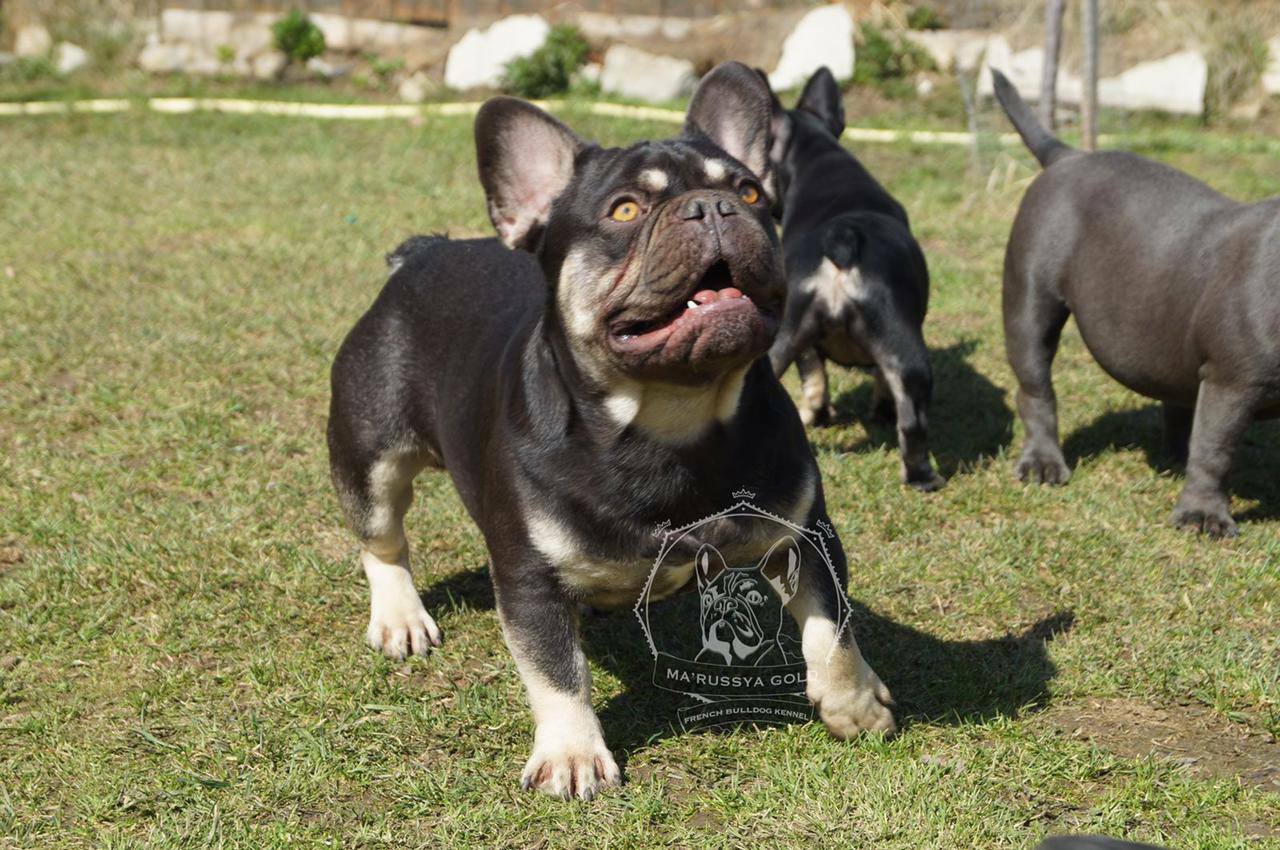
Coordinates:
(708,296)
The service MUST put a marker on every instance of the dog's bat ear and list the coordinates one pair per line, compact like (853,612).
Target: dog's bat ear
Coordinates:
(707,564)
(821,96)
(781,567)
(732,107)
(526,159)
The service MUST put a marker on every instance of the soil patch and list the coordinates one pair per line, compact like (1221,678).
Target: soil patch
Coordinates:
(1188,734)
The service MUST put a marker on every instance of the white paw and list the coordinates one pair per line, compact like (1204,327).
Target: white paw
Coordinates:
(570,767)
(400,631)
(860,706)
(398,624)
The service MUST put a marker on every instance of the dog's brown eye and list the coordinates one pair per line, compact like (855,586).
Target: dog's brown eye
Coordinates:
(749,193)
(624,211)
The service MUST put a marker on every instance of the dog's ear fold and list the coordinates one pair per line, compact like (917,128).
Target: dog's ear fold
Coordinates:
(821,96)
(526,159)
(732,108)
(781,568)
(707,564)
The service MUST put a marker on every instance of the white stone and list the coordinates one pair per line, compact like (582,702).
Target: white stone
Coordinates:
(924,87)
(479,58)
(823,36)
(249,39)
(1025,70)
(598,26)
(192,26)
(268,66)
(159,58)
(1271,77)
(634,73)
(417,87)
(1175,83)
(324,69)
(32,40)
(205,64)
(336,29)
(959,50)
(590,72)
(69,58)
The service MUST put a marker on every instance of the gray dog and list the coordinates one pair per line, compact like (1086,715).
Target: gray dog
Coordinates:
(1175,289)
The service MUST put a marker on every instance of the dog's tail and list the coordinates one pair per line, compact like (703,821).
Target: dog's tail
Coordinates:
(842,242)
(1038,140)
(411,246)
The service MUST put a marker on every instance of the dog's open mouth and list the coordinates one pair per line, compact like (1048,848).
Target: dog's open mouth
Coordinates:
(716,320)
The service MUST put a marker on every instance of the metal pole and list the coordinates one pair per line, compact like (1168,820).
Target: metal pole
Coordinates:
(1052,48)
(1089,100)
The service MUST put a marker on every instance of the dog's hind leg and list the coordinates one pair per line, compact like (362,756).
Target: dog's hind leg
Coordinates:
(1223,414)
(1177,430)
(816,409)
(375,497)
(882,406)
(902,359)
(1033,321)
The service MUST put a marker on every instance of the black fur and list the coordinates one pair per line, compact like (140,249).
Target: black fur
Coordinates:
(468,360)
(833,209)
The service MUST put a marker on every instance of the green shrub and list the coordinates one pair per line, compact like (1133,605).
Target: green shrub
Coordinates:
(384,69)
(925,18)
(29,69)
(1237,59)
(297,37)
(549,69)
(886,60)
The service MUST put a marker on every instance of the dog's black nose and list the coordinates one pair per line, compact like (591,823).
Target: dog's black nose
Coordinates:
(725,208)
(692,209)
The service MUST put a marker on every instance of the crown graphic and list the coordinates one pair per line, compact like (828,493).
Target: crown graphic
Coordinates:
(826,529)
(744,493)
(661,528)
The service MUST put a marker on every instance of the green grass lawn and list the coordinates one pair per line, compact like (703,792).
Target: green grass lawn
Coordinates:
(182,614)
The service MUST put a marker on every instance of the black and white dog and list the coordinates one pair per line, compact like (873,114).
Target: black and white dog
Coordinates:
(1175,289)
(604,379)
(858,286)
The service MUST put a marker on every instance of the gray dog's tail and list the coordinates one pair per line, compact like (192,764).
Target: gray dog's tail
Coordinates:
(1038,140)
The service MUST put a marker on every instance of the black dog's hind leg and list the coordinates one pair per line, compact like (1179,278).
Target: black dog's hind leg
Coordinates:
(903,360)
(1223,414)
(375,496)
(1177,431)
(816,409)
(1033,322)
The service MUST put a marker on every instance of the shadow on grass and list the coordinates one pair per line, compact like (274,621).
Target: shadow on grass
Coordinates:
(968,417)
(932,680)
(1254,473)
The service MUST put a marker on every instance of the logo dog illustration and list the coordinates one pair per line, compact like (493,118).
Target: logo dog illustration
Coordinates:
(742,608)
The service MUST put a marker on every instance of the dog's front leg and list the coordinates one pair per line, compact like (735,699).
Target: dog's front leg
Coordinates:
(849,696)
(540,625)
